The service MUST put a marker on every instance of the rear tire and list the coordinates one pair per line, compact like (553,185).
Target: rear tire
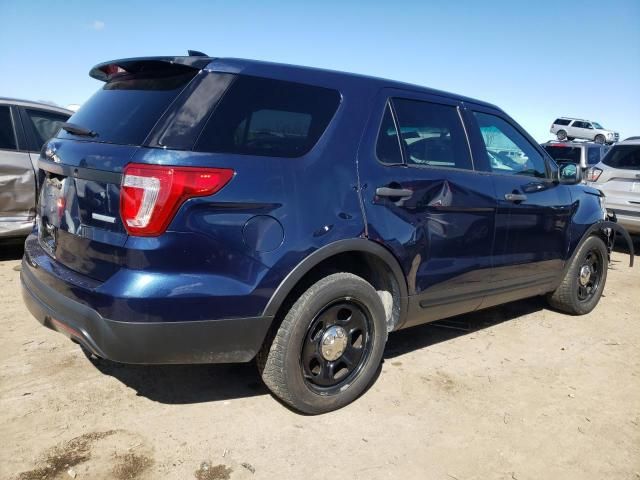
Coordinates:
(562,135)
(584,280)
(328,349)
(599,139)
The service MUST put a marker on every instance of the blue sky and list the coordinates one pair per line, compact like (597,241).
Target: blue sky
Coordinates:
(537,60)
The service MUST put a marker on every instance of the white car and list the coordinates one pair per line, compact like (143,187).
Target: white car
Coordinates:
(24,127)
(618,176)
(565,128)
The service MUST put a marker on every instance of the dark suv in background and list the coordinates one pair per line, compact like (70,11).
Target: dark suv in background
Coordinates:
(202,209)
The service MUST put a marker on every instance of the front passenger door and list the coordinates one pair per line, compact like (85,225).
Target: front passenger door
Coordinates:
(533,209)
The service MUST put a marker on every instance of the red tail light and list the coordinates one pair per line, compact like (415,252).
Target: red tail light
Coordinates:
(152,194)
(593,174)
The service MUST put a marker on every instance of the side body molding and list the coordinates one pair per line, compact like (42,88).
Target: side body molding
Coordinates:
(341,246)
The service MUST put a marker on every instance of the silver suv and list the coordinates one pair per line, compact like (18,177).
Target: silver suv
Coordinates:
(618,176)
(585,154)
(566,128)
(24,127)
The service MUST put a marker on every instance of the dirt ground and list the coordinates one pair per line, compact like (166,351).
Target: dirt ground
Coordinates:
(515,392)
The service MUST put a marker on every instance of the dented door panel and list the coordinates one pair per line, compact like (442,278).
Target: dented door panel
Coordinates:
(17,194)
(442,233)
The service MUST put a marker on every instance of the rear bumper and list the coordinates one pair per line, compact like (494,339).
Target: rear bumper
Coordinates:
(202,341)
(629,219)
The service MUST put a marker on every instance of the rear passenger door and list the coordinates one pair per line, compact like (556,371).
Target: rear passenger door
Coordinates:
(424,201)
(533,214)
(17,177)
(580,129)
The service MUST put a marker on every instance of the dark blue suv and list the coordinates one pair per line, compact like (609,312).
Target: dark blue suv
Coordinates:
(201,209)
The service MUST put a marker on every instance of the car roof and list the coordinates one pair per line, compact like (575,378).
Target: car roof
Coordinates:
(311,75)
(572,118)
(258,67)
(572,144)
(32,104)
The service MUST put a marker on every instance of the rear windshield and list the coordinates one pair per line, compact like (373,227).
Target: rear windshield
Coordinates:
(261,116)
(626,157)
(125,109)
(564,154)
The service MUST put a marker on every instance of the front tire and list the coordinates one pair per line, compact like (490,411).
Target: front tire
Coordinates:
(329,346)
(584,280)
(600,139)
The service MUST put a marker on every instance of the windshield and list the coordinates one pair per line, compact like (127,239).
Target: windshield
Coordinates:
(564,154)
(597,125)
(126,108)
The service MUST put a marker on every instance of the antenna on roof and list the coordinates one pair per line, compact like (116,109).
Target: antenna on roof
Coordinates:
(196,53)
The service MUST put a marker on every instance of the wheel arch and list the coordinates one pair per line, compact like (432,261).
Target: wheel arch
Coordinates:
(330,256)
(600,229)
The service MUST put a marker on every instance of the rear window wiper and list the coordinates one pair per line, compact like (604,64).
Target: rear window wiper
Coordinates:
(78,130)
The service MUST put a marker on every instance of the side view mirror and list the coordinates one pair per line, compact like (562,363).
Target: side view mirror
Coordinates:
(569,173)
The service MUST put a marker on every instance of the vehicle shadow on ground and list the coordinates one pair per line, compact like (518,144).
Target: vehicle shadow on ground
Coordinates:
(186,384)
(11,249)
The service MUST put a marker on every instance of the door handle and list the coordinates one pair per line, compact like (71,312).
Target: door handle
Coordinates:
(393,192)
(515,197)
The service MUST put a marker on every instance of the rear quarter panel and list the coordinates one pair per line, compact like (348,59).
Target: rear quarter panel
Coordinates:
(272,214)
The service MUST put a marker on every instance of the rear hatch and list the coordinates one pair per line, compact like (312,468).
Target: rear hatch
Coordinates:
(79,220)
(561,152)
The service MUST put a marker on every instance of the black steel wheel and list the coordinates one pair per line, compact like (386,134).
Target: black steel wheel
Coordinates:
(589,275)
(336,345)
(329,346)
(584,279)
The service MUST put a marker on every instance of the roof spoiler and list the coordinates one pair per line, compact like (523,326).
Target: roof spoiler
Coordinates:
(107,70)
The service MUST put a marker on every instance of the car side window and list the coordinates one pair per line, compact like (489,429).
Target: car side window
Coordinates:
(508,151)
(45,125)
(268,117)
(432,134)
(388,143)
(7,134)
(593,155)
